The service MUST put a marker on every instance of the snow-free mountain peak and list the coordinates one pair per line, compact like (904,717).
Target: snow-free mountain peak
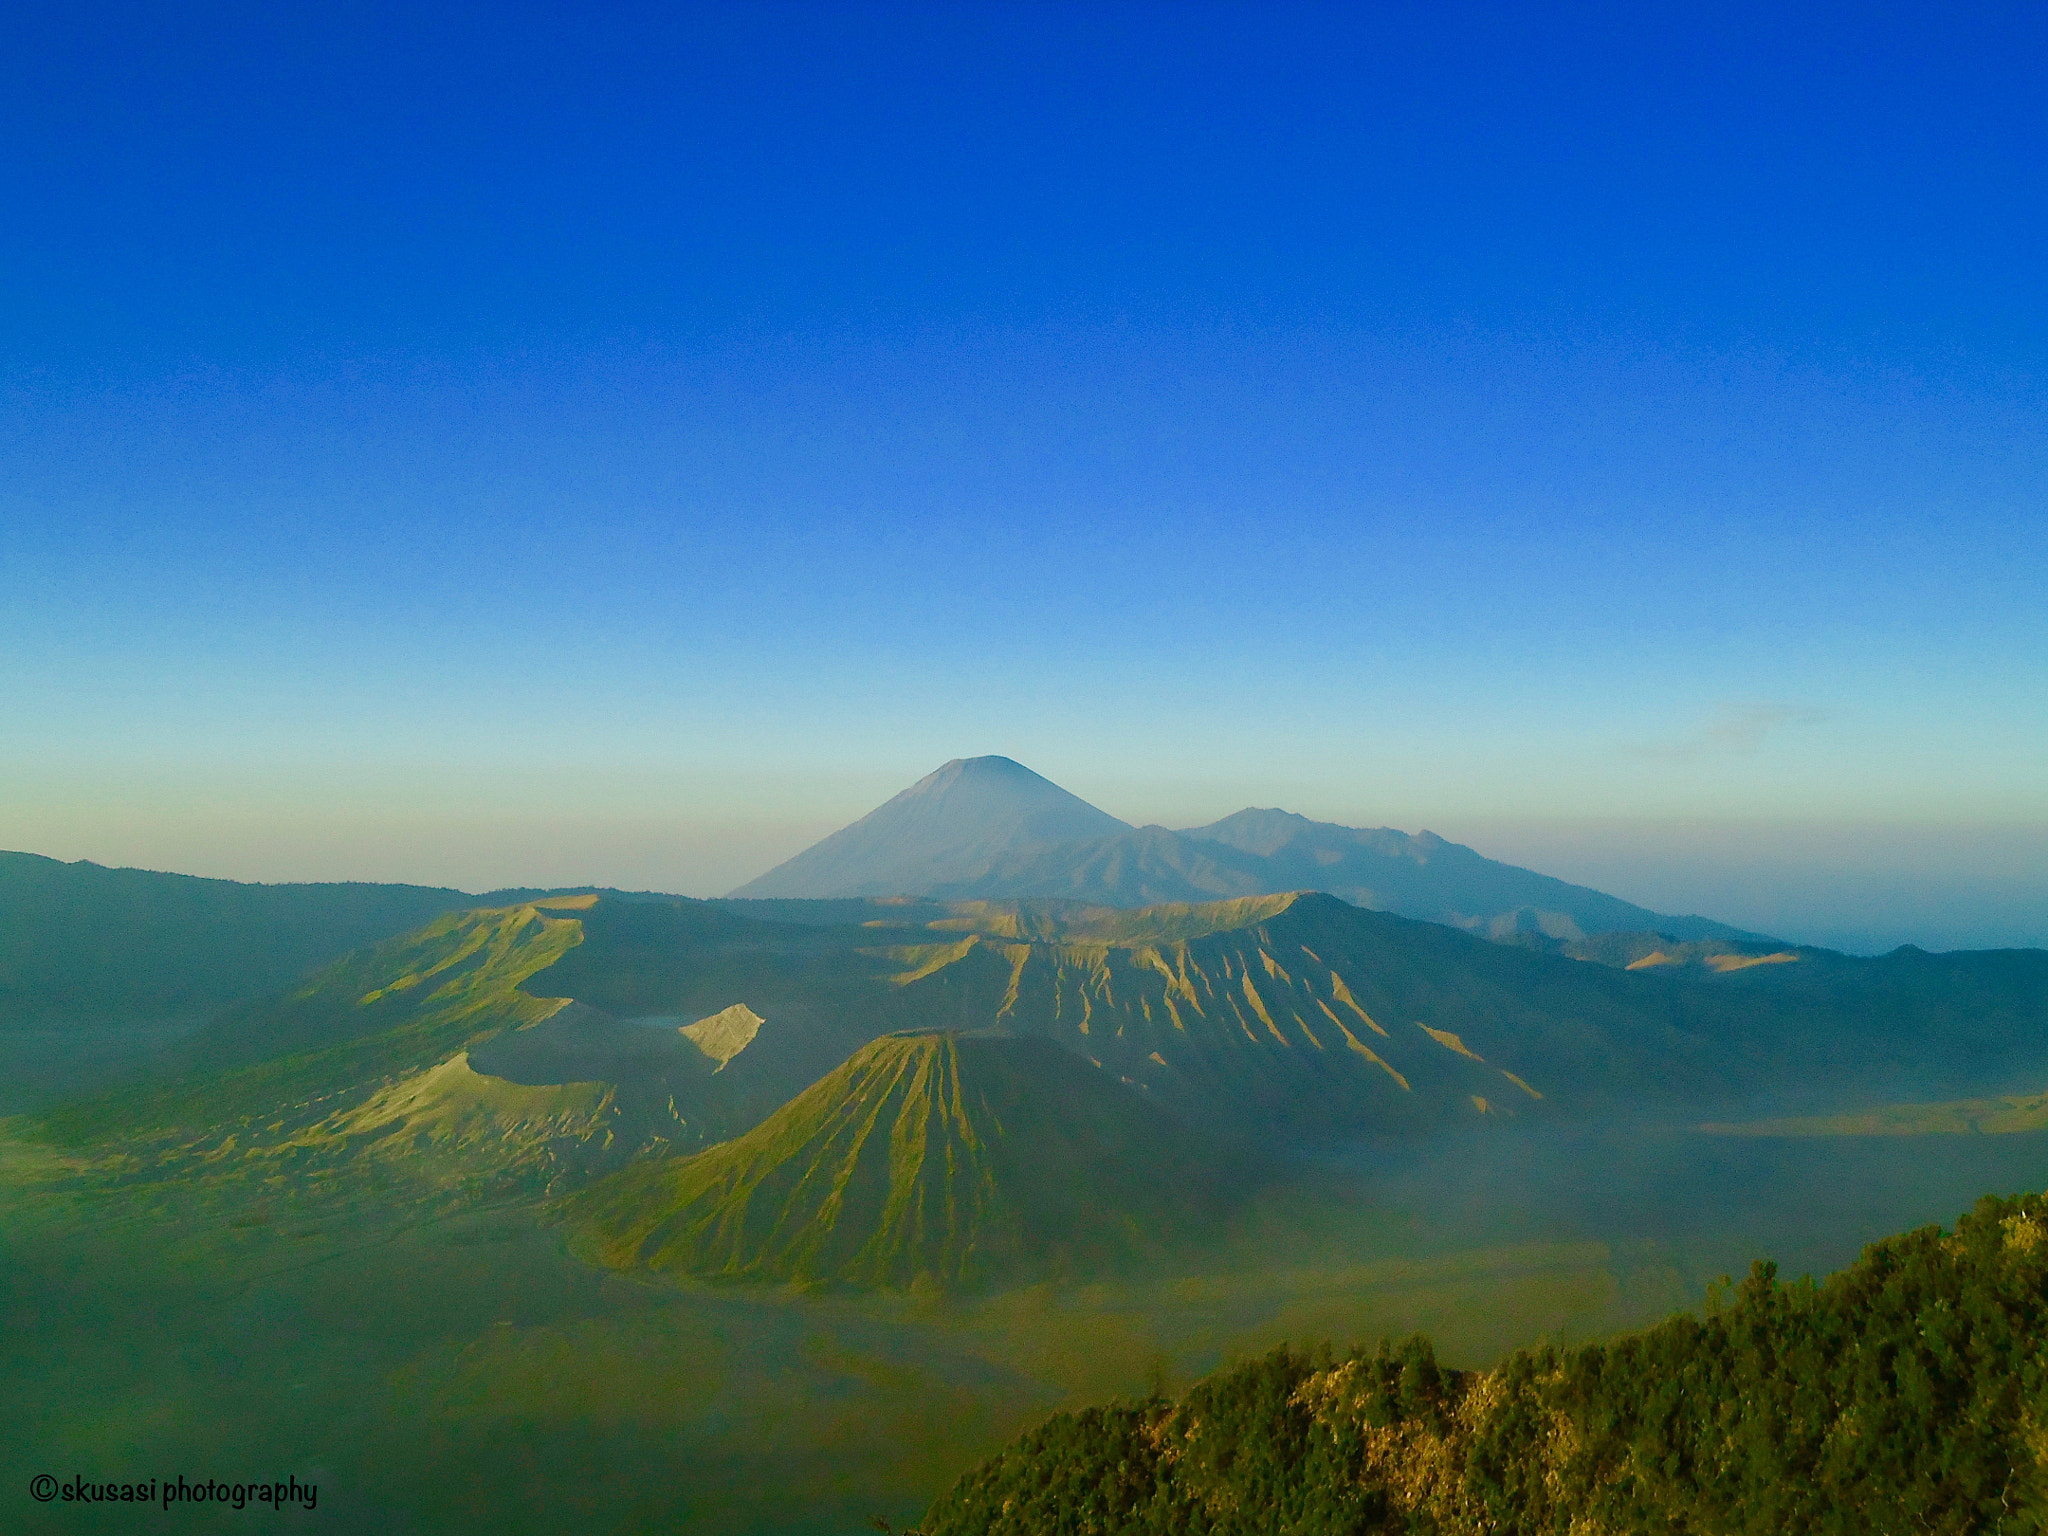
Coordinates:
(988,828)
(947,827)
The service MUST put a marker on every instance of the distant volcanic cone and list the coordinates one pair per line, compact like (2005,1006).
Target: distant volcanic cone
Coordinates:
(947,827)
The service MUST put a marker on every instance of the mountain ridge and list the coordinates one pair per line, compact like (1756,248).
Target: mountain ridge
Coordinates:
(1295,1015)
(88,943)
(990,829)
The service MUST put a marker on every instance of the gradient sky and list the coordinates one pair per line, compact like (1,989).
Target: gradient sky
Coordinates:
(511,445)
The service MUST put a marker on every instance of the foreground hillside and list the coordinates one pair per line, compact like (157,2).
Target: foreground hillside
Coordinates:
(1908,1393)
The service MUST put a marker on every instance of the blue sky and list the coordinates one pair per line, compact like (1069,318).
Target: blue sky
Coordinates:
(488,446)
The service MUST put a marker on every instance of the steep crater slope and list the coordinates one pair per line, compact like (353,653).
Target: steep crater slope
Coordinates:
(1292,1013)
(1302,1014)
(934,1160)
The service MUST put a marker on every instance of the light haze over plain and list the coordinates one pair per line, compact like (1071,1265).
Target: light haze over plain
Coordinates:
(542,449)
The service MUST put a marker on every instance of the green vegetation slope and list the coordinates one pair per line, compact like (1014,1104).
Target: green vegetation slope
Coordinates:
(936,1159)
(1907,1394)
(1293,1012)
(349,1030)
(1296,1016)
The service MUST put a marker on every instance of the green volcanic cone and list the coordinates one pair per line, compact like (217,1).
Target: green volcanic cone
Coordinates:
(940,1159)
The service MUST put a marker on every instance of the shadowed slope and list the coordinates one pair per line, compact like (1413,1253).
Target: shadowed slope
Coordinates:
(83,944)
(954,1160)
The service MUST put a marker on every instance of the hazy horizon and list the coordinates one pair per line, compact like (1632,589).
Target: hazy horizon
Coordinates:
(625,451)
(1858,886)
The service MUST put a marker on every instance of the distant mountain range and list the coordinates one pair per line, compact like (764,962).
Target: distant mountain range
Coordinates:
(81,944)
(1295,1012)
(987,828)
(993,1045)
(527,1050)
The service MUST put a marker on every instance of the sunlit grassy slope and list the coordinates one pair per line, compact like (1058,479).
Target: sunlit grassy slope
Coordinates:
(941,1160)
(369,1019)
